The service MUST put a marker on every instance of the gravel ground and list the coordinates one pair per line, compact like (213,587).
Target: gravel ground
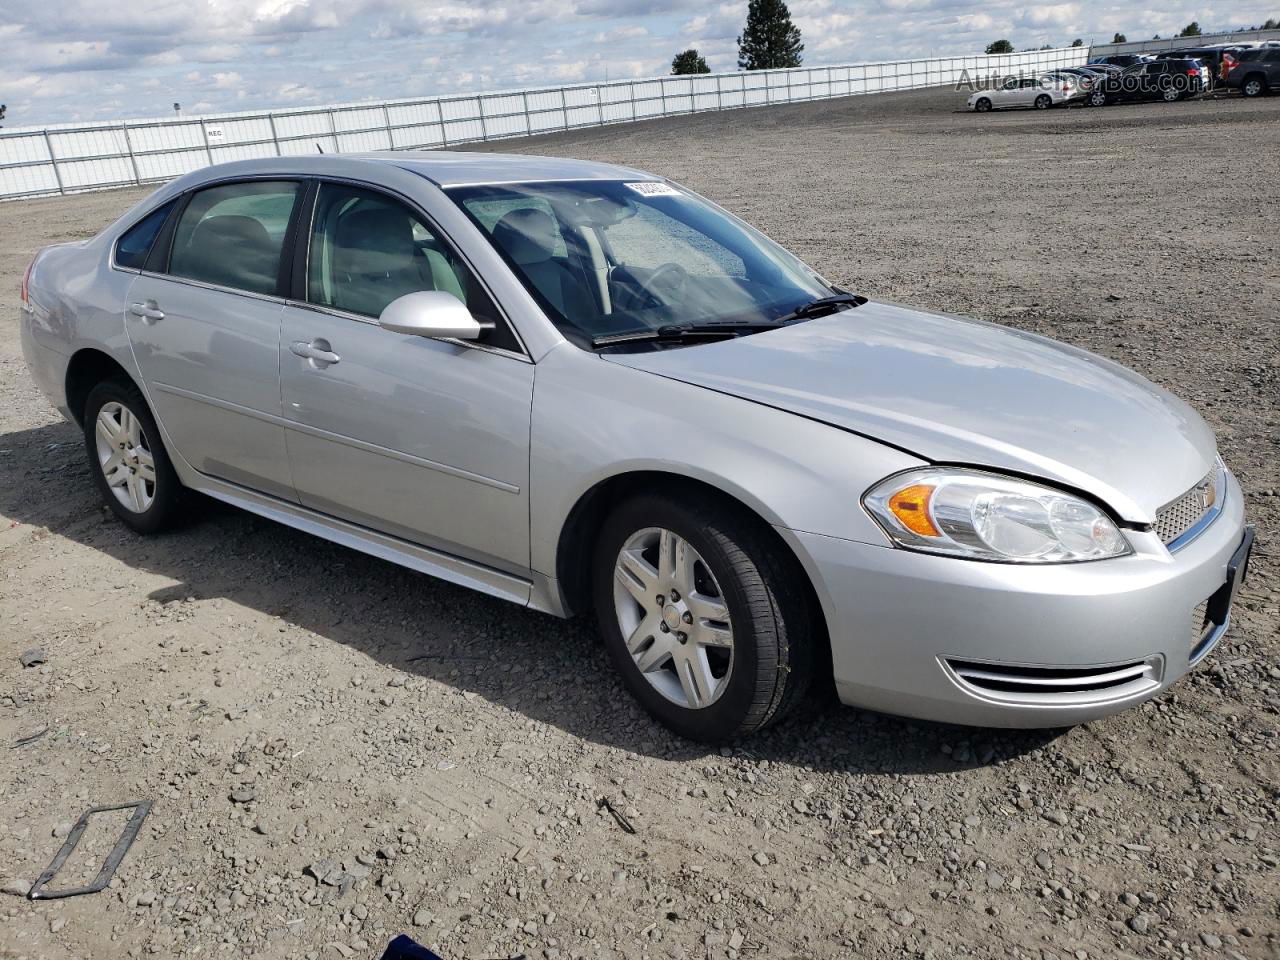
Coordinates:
(340,750)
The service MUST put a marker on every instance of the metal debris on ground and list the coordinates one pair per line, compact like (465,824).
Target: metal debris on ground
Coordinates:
(623,822)
(29,738)
(33,657)
(140,810)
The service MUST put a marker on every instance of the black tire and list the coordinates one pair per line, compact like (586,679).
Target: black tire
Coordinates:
(1253,86)
(983,105)
(1044,102)
(1098,99)
(776,636)
(166,489)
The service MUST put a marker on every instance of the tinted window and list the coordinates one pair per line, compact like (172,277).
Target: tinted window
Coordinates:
(233,235)
(135,243)
(368,249)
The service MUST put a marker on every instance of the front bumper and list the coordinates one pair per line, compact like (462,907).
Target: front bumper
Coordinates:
(1008,645)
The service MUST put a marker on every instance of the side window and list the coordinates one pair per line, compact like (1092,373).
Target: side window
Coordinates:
(368,249)
(233,235)
(135,243)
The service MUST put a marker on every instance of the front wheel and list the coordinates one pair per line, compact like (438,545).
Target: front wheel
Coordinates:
(1098,98)
(1171,94)
(1044,102)
(983,105)
(127,458)
(711,629)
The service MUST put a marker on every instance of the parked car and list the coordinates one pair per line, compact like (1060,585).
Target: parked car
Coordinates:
(1167,80)
(1211,58)
(1038,93)
(581,387)
(1123,60)
(1255,72)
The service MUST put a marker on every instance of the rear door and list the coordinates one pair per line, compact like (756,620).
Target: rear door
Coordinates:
(204,322)
(426,440)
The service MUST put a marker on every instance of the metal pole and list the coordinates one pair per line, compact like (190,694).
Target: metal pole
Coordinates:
(484,131)
(528,120)
(57,174)
(719,94)
(128,145)
(386,122)
(632,92)
(203,133)
(333,129)
(564,108)
(275,139)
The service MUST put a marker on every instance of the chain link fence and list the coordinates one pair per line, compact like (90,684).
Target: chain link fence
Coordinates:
(69,158)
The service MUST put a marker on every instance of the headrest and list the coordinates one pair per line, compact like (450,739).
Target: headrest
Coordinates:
(374,240)
(527,235)
(229,229)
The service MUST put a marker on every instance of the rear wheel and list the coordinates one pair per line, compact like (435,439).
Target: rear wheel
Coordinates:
(1044,102)
(1253,86)
(1098,98)
(710,627)
(127,458)
(983,105)
(1171,94)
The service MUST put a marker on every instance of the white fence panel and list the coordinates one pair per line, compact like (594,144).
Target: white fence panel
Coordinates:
(71,157)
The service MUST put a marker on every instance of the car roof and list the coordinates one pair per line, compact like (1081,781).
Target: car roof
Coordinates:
(452,169)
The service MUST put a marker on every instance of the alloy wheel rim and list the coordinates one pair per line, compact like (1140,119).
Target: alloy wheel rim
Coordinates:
(674,618)
(125,458)
(1252,87)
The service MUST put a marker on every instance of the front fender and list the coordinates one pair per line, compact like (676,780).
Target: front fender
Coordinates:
(593,421)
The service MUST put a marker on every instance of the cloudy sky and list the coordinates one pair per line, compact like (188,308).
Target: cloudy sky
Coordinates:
(67,60)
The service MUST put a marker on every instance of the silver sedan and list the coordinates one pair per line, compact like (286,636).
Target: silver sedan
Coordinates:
(584,388)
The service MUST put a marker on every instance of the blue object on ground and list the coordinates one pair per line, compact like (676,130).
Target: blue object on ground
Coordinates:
(404,948)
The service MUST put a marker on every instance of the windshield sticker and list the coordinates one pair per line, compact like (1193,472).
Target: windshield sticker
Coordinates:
(650,188)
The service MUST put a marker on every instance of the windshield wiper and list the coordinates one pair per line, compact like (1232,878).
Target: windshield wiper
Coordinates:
(823,305)
(683,331)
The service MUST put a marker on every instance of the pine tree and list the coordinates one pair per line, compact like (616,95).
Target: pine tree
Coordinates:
(769,40)
(688,61)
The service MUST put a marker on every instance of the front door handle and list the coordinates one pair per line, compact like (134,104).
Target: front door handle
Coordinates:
(147,311)
(317,351)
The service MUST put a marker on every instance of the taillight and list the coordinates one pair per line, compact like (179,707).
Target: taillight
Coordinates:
(26,276)
(1193,72)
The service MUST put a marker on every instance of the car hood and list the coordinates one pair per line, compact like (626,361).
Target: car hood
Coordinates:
(953,390)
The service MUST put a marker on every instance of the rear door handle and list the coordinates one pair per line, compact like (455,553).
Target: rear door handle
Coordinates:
(147,311)
(317,351)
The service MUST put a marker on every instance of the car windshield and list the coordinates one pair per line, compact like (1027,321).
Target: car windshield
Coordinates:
(609,259)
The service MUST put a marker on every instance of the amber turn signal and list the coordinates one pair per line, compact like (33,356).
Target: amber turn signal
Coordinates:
(911,506)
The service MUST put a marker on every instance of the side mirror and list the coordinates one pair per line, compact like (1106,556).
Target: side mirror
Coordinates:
(430,313)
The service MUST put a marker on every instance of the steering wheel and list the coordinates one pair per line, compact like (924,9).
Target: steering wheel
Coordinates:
(665,282)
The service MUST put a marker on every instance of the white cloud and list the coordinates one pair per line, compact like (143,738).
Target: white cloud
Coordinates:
(61,57)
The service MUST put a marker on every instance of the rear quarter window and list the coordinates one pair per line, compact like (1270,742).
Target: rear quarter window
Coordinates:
(135,243)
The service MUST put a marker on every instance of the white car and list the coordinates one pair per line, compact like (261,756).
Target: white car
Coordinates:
(1039,93)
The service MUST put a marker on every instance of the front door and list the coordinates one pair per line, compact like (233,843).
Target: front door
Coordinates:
(426,440)
(205,330)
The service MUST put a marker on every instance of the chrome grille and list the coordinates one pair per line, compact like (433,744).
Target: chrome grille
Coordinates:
(1176,518)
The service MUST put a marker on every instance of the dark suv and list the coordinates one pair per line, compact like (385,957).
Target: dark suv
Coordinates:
(1167,80)
(1211,57)
(1256,71)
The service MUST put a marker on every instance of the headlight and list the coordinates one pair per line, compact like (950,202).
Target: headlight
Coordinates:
(984,516)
